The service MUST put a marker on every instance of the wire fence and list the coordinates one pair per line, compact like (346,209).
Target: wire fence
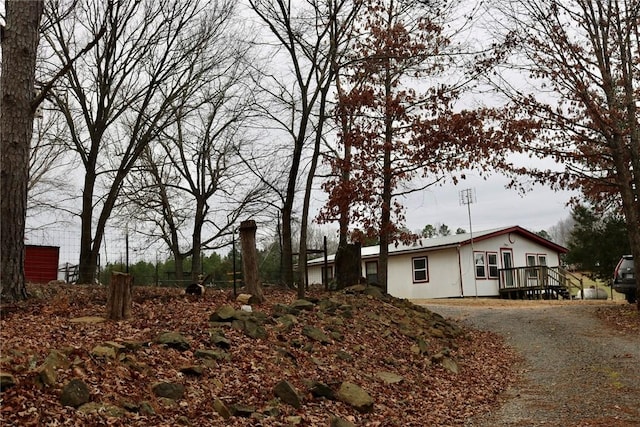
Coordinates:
(54,253)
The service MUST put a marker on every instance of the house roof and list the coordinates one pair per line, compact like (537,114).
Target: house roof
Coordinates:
(454,240)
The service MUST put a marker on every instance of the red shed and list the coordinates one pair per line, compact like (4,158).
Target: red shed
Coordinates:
(41,263)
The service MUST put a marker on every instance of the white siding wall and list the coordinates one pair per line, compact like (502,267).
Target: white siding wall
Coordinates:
(444,275)
(452,274)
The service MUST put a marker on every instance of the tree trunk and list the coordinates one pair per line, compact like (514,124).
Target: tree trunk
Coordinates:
(19,47)
(119,296)
(250,259)
(348,265)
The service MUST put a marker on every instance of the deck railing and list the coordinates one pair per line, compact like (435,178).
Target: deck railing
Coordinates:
(538,281)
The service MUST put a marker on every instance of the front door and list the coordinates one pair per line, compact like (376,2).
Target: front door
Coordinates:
(507,265)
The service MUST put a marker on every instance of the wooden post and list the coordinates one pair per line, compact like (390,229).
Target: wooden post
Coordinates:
(119,296)
(250,259)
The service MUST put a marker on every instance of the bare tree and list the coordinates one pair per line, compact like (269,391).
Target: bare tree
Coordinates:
(20,40)
(195,165)
(577,102)
(306,36)
(118,99)
(50,163)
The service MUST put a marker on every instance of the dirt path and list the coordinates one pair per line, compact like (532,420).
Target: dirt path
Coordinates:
(576,371)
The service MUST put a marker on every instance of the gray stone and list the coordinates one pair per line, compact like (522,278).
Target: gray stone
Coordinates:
(193,370)
(319,389)
(173,340)
(6,381)
(253,329)
(102,408)
(302,304)
(219,340)
(75,393)
(389,377)
(316,334)
(103,352)
(340,422)
(354,396)
(288,394)
(224,313)
(221,409)
(172,391)
(240,410)
(450,365)
(212,354)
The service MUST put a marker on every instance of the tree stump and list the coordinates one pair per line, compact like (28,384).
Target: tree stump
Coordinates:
(119,296)
(250,259)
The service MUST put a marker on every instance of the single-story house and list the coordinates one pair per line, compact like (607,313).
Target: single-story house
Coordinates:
(459,266)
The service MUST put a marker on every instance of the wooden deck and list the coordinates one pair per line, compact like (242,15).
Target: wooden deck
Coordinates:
(538,282)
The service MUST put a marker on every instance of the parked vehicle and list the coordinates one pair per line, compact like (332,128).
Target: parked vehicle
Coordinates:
(624,278)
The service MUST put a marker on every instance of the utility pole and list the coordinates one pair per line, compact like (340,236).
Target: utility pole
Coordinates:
(467,197)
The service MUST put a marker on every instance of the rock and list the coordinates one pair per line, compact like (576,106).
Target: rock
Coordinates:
(172,391)
(343,355)
(193,370)
(240,410)
(282,309)
(183,421)
(224,313)
(353,395)
(302,304)
(389,377)
(6,381)
(87,319)
(253,329)
(173,340)
(75,393)
(219,340)
(318,389)
(212,354)
(247,299)
(450,365)
(221,409)
(102,408)
(316,334)
(328,305)
(146,408)
(288,394)
(103,352)
(288,321)
(294,420)
(374,291)
(131,345)
(355,289)
(340,422)
(47,372)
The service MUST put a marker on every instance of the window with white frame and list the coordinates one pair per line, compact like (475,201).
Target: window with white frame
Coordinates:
(480,262)
(492,263)
(420,269)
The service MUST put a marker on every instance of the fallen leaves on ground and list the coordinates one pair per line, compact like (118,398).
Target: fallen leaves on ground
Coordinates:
(622,317)
(392,349)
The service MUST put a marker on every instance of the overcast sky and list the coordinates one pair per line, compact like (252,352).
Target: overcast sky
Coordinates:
(494,206)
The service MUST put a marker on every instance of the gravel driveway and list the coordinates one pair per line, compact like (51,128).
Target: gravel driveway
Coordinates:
(576,371)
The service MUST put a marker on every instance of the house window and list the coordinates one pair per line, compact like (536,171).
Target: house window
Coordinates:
(420,269)
(479,262)
(531,262)
(542,260)
(492,262)
(371,270)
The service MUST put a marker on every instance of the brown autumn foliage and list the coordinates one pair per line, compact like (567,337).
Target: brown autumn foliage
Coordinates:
(367,336)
